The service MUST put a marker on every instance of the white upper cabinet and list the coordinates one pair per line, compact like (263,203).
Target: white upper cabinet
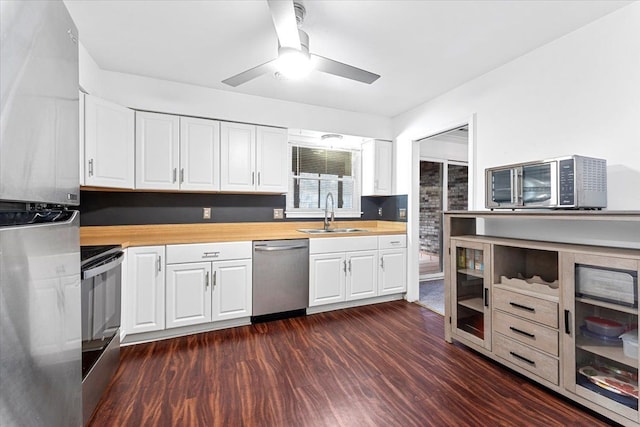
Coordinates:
(157,151)
(199,154)
(271,160)
(238,157)
(108,144)
(253,158)
(377,157)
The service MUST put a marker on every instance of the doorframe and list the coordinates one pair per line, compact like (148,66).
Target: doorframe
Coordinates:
(413,224)
(445,199)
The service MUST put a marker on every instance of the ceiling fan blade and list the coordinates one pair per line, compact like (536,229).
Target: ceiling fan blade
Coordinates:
(250,74)
(284,20)
(343,70)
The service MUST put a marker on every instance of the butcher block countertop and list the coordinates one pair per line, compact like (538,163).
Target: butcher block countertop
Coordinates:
(165,234)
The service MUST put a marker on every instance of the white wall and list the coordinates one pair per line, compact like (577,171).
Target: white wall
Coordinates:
(151,94)
(579,94)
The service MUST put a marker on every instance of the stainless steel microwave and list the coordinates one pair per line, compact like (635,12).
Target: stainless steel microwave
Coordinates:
(571,182)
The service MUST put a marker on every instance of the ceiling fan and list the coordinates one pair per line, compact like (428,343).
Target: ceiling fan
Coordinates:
(294,59)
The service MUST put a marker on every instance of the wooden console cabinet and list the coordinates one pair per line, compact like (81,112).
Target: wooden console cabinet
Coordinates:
(522,302)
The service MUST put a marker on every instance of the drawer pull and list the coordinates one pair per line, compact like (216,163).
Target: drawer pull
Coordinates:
(524,359)
(210,254)
(518,331)
(523,307)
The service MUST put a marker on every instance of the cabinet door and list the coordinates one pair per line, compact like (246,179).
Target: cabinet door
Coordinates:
(271,160)
(470,297)
(237,157)
(157,151)
(231,289)
(188,299)
(392,271)
(145,289)
(108,144)
(377,157)
(327,277)
(199,154)
(587,282)
(361,275)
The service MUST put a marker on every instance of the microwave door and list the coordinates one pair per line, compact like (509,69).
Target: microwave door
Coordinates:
(538,185)
(500,191)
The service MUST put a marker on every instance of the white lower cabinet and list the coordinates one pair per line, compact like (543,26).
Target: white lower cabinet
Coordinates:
(392,267)
(206,283)
(327,278)
(188,294)
(145,289)
(361,275)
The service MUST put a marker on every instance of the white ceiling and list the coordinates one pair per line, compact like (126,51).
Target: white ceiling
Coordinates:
(420,48)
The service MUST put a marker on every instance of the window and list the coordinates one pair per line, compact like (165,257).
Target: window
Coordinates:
(317,171)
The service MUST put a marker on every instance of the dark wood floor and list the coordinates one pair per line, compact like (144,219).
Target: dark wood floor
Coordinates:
(380,365)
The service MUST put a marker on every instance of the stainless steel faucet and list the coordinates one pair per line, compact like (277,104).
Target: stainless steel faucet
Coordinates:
(326,211)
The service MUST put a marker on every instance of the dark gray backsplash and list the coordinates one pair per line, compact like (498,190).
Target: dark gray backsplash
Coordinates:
(124,208)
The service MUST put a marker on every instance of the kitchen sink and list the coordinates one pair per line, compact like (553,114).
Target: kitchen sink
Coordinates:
(332,230)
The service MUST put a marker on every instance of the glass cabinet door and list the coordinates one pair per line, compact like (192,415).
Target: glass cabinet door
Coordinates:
(471,316)
(601,324)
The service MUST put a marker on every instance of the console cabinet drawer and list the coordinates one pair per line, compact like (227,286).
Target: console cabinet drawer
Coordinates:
(528,307)
(527,332)
(536,362)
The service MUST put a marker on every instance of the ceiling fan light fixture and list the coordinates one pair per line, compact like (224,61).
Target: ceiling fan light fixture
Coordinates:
(293,63)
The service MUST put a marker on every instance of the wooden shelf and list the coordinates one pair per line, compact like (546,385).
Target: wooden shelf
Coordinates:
(609,305)
(476,304)
(470,272)
(610,352)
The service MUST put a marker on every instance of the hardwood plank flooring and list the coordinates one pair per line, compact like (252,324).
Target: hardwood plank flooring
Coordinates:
(379,365)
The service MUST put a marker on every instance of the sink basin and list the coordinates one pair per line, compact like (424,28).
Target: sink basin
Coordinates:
(332,230)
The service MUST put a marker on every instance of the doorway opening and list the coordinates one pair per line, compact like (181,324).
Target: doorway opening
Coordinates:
(444,186)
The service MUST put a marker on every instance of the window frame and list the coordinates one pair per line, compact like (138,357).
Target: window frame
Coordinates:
(356,167)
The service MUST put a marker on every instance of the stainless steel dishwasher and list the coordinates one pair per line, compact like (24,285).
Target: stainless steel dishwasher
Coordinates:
(280,278)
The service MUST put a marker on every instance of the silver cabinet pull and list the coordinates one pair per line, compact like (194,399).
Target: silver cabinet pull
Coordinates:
(159,263)
(349,266)
(181,175)
(253,178)
(215,254)
(382,262)
(175,174)
(214,278)
(258,178)
(344,266)
(90,167)
(206,280)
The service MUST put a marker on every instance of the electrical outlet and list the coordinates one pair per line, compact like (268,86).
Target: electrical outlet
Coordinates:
(278,214)
(402,213)
(206,213)
(379,211)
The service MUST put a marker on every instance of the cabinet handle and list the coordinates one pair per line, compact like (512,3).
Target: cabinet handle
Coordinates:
(181,175)
(349,266)
(344,267)
(523,307)
(567,322)
(486,297)
(524,359)
(159,263)
(382,262)
(518,331)
(175,174)
(258,178)
(206,280)
(215,254)
(215,279)
(395,242)
(253,178)
(90,167)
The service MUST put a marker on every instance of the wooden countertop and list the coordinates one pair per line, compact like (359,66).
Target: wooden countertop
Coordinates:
(164,234)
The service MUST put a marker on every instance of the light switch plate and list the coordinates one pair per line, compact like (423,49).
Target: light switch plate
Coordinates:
(402,213)
(278,214)
(206,213)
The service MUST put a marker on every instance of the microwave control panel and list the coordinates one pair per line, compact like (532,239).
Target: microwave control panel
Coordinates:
(566,180)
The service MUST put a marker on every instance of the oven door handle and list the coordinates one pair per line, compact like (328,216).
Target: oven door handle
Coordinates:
(109,263)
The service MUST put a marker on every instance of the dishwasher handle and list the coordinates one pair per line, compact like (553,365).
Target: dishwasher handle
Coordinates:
(279,248)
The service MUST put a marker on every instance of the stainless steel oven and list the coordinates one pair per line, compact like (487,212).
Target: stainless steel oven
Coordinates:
(100,307)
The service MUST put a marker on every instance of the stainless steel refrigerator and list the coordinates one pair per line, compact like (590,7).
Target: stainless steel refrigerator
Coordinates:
(40,325)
